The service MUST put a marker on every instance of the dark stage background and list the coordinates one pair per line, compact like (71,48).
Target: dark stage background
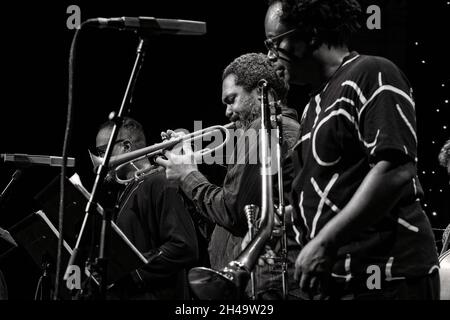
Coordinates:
(180,82)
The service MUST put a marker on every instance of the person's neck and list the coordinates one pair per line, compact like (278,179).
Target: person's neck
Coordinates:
(329,59)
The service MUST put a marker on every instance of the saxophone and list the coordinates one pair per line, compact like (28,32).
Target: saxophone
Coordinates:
(230,282)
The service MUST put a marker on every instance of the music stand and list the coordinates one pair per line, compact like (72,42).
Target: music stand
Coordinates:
(39,236)
(7,243)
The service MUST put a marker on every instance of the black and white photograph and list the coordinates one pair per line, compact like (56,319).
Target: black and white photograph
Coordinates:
(225,158)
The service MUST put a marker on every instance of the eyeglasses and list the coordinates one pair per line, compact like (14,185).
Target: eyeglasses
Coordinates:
(273,42)
(101,150)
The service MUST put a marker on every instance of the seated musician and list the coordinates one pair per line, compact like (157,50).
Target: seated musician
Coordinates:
(152,215)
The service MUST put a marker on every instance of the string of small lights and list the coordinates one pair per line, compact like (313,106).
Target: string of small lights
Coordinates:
(430,70)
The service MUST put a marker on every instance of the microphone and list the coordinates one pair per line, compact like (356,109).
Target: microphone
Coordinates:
(152,25)
(26,159)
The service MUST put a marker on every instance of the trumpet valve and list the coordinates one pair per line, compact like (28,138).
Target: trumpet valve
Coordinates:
(251,211)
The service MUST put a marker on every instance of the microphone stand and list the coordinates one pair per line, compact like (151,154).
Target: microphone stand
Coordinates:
(281,207)
(101,263)
(16,176)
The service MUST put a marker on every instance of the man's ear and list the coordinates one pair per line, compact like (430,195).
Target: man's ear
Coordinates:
(127,146)
(271,94)
(256,93)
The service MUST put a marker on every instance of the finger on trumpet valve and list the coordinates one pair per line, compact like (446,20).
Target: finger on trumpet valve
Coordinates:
(171,135)
(164,136)
(175,134)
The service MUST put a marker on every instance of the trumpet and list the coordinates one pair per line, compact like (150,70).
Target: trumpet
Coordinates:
(151,152)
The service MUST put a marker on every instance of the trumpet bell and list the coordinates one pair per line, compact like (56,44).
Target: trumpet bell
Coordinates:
(209,284)
(96,161)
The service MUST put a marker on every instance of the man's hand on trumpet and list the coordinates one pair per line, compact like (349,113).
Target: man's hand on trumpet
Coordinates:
(180,161)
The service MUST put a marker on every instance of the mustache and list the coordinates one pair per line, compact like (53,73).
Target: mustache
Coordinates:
(250,114)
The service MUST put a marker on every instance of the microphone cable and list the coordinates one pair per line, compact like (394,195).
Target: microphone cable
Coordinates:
(67,135)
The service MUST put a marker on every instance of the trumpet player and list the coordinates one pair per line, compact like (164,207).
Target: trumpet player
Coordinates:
(152,215)
(224,205)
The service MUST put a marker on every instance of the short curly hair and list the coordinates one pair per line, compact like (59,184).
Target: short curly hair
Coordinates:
(131,130)
(250,68)
(331,21)
(444,155)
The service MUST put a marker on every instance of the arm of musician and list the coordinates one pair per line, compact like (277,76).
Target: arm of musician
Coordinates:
(242,185)
(224,205)
(377,194)
(220,205)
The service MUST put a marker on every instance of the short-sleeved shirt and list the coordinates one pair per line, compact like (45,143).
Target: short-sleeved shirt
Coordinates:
(364,114)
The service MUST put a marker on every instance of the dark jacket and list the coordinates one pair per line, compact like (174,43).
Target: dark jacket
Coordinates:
(224,205)
(153,217)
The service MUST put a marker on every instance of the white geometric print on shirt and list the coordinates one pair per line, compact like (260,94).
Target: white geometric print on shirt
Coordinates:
(388,271)
(343,99)
(344,113)
(297,234)
(372,144)
(432,269)
(305,137)
(318,109)
(407,225)
(301,140)
(323,200)
(406,149)
(414,186)
(380,81)
(408,124)
(348,273)
(372,152)
(351,60)
(322,122)
(383,89)
(305,111)
(302,211)
(358,90)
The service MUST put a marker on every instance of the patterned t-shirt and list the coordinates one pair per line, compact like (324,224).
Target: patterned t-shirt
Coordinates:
(364,114)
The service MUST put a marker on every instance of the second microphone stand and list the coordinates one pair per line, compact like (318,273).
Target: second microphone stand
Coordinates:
(101,263)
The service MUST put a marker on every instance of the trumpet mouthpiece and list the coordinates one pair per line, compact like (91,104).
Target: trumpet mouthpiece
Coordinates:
(263,83)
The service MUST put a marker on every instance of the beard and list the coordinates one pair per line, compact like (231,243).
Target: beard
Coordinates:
(250,112)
